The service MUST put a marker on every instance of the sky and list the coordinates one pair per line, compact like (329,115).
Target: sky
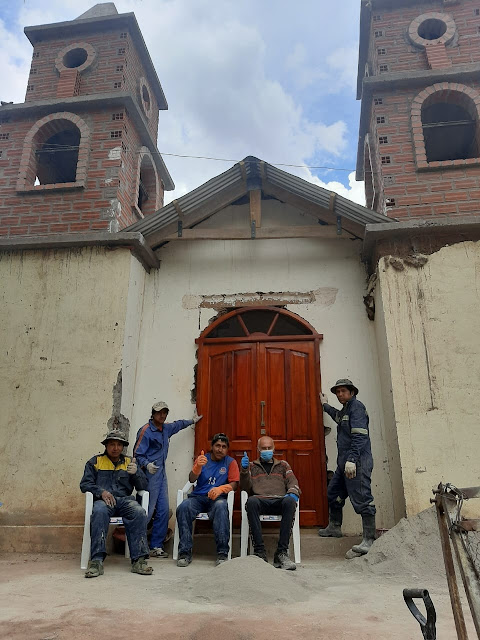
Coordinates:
(269,78)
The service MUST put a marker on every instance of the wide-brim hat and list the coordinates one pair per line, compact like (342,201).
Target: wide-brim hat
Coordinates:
(344,382)
(115,435)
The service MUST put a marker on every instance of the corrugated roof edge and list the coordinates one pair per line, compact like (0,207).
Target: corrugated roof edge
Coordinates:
(208,190)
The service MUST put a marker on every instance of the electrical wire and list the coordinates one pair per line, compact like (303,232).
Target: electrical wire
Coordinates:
(62,147)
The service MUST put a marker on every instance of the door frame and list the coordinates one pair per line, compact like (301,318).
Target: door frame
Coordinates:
(312,336)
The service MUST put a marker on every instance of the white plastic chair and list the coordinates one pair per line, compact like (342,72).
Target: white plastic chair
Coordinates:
(244,532)
(113,521)
(181,496)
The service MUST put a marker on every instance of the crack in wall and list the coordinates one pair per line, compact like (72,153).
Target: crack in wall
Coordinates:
(117,420)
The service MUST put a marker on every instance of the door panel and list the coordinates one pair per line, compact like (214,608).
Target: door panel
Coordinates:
(226,395)
(234,378)
(287,379)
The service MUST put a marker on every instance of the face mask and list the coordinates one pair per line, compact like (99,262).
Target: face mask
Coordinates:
(266,455)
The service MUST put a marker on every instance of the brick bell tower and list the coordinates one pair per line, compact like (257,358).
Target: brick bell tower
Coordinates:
(80,153)
(419,83)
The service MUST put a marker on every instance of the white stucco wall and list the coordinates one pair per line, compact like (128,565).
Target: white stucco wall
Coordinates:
(432,329)
(172,320)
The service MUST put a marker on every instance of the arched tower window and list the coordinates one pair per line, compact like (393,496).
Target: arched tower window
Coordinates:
(369,177)
(445,126)
(57,155)
(55,152)
(148,185)
(449,127)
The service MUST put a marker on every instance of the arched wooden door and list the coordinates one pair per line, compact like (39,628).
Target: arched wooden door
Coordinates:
(259,374)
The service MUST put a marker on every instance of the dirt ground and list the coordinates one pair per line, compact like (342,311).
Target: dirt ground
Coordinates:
(46,597)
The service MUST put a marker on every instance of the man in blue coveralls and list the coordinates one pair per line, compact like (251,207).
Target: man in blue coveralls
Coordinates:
(216,474)
(353,474)
(151,451)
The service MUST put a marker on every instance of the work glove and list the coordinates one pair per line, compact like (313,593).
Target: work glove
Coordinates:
(152,468)
(245,462)
(108,498)
(292,495)
(196,417)
(217,491)
(323,398)
(200,462)
(132,467)
(350,469)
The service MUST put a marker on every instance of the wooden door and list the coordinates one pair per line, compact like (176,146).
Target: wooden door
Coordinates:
(264,384)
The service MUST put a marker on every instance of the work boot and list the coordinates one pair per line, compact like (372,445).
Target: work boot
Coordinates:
(334,527)
(261,553)
(141,567)
(221,558)
(184,561)
(94,569)
(368,523)
(282,561)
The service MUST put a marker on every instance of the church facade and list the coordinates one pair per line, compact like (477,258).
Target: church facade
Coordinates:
(246,296)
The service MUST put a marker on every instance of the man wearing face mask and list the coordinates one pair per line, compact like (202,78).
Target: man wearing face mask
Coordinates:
(273,490)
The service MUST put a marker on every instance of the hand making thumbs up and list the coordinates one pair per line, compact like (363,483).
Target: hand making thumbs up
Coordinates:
(132,467)
(245,462)
(200,462)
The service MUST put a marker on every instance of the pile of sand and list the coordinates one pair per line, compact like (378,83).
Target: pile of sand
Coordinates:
(247,580)
(412,546)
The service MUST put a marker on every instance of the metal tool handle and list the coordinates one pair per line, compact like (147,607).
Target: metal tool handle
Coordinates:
(427,625)
(262,407)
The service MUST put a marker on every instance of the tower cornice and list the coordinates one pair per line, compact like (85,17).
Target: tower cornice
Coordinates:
(85,26)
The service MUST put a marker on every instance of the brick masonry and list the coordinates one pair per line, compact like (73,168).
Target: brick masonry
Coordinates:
(405,185)
(105,192)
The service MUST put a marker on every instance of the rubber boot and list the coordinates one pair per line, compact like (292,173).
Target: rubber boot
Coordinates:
(369,530)
(334,528)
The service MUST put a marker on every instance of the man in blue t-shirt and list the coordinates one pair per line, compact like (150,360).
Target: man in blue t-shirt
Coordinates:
(215,474)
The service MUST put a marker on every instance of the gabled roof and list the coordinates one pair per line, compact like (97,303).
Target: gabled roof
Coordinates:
(248,175)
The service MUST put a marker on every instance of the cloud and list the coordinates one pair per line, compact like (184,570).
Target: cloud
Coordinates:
(15,60)
(343,63)
(354,191)
(238,80)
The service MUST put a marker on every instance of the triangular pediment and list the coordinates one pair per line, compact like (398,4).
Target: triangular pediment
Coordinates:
(247,191)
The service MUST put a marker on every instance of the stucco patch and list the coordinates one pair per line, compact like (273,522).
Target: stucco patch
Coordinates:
(324,296)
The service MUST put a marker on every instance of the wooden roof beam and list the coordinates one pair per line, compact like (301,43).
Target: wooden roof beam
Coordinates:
(214,204)
(264,233)
(325,215)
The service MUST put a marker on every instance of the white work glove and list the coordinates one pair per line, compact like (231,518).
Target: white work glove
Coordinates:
(350,469)
(152,468)
(196,417)
(132,467)
(323,398)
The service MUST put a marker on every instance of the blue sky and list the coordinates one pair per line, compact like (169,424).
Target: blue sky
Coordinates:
(269,78)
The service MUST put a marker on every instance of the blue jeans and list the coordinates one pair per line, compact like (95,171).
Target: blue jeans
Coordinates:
(358,489)
(134,519)
(257,506)
(218,514)
(160,522)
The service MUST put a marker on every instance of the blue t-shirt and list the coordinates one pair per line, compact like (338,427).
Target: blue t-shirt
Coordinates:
(214,474)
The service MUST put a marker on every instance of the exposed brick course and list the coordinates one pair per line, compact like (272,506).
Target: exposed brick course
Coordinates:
(104,194)
(420,188)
